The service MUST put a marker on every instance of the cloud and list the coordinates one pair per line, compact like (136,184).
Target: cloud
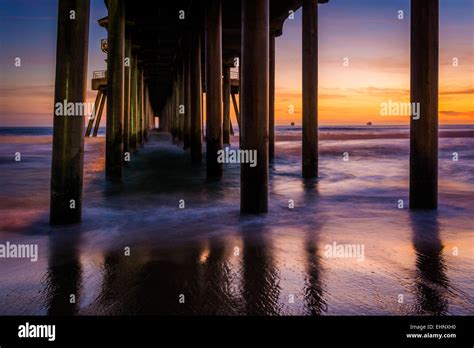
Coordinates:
(39,91)
(381,91)
(457,113)
(379,64)
(459,91)
(29,18)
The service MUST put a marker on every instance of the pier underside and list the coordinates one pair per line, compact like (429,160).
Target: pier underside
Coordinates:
(160,34)
(184,61)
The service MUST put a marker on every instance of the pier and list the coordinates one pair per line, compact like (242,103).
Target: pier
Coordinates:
(163,56)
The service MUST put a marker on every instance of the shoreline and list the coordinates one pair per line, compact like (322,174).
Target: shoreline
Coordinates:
(346,135)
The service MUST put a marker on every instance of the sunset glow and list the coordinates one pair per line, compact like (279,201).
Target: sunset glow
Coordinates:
(367,33)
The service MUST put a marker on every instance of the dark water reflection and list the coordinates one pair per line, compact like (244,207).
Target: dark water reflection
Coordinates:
(224,264)
(237,276)
(261,288)
(431,282)
(215,277)
(313,290)
(64,273)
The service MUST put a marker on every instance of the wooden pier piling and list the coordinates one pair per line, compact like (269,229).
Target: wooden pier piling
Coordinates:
(236,110)
(133,104)
(187,114)
(126,91)
(213,87)
(310,88)
(174,108)
(196,101)
(68,131)
(226,105)
(181,102)
(271,100)
(99,114)
(254,104)
(115,56)
(424,90)
(93,117)
(140,104)
(145,112)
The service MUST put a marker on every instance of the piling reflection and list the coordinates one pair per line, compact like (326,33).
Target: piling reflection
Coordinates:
(261,289)
(169,284)
(239,274)
(116,275)
(151,283)
(431,280)
(217,276)
(219,295)
(186,280)
(313,288)
(63,278)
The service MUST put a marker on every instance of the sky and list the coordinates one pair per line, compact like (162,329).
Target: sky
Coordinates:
(365,33)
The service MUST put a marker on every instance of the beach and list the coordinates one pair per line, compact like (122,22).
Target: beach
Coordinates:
(221,263)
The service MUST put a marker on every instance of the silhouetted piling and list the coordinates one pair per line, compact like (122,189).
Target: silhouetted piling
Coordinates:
(226,105)
(93,117)
(182,101)
(140,105)
(164,117)
(174,108)
(99,114)
(271,100)
(424,90)
(126,92)
(116,43)
(236,109)
(187,95)
(68,131)
(145,112)
(310,88)
(196,107)
(254,104)
(133,104)
(213,87)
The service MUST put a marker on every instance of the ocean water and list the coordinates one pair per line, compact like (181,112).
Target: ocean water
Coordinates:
(221,263)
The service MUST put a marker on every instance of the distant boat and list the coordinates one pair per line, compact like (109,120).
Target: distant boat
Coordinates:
(292,123)
(369,123)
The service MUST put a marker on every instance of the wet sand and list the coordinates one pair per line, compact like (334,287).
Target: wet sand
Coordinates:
(227,264)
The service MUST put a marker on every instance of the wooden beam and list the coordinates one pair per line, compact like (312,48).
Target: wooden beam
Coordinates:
(187,87)
(114,137)
(68,131)
(226,104)
(236,110)
(271,100)
(310,88)
(196,101)
(99,114)
(213,87)
(133,104)
(254,105)
(140,105)
(126,91)
(424,58)
(93,117)
(182,100)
